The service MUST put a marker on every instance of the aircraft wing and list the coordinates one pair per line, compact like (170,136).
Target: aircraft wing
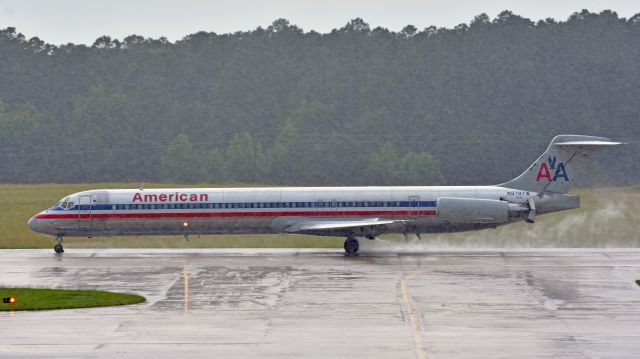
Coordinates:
(310,225)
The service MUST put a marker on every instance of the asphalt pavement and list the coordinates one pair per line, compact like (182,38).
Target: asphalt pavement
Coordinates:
(239,303)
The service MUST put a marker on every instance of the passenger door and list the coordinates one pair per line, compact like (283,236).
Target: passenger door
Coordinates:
(84,211)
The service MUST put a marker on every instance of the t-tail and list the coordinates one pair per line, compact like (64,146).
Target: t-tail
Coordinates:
(548,179)
(554,170)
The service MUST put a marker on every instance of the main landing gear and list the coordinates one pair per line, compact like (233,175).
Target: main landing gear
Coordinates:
(58,247)
(351,246)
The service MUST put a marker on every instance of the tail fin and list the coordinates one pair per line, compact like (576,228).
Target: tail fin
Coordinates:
(553,171)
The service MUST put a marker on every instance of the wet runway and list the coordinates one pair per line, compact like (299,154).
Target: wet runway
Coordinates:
(239,303)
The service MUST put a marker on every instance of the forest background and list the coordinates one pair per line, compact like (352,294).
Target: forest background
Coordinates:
(474,104)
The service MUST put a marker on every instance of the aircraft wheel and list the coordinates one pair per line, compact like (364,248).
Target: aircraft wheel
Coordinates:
(58,248)
(351,246)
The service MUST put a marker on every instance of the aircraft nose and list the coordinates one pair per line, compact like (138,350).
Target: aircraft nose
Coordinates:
(33,224)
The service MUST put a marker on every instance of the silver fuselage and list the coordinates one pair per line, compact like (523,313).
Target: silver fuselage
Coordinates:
(269,210)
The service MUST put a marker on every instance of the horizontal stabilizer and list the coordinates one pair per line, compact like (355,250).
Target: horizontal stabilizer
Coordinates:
(588,143)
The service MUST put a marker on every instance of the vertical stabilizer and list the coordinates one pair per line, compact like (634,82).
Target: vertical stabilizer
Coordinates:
(554,170)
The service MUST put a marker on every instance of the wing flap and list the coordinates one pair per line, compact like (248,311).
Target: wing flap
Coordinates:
(324,225)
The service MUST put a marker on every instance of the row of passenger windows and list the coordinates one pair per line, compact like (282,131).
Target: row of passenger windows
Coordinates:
(257,205)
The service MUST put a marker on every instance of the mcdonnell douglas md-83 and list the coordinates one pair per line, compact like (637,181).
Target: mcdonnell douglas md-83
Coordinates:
(351,212)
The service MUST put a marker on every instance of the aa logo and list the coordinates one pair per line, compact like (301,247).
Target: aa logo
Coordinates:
(544,172)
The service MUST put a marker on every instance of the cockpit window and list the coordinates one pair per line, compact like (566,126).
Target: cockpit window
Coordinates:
(65,203)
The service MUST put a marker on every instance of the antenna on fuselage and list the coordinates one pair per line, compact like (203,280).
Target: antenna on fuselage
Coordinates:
(142,186)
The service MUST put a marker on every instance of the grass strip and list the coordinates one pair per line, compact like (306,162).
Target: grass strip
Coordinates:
(44,299)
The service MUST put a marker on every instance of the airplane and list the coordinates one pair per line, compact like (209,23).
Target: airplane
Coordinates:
(355,213)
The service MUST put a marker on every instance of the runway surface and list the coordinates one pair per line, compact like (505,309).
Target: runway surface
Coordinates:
(237,303)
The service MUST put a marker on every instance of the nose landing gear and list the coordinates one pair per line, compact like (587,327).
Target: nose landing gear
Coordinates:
(58,247)
(351,246)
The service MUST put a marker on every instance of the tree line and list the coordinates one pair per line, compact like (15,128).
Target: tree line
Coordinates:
(476,103)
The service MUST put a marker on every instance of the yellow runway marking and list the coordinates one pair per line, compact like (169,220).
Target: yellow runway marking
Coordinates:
(185,278)
(413,317)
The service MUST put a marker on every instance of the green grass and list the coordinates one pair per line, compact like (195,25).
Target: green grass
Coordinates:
(43,299)
(607,217)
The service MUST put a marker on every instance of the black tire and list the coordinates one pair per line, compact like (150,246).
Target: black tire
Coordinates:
(58,248)
(351,246)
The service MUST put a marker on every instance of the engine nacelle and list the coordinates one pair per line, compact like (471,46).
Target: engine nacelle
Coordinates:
(472,210)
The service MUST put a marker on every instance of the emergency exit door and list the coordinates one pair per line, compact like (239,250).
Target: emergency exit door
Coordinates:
(414,205)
